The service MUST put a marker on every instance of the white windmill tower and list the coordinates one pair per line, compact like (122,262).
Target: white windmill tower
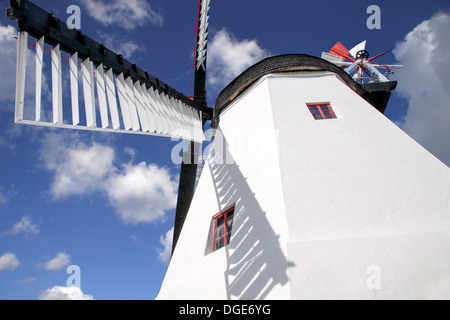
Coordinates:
(308,190)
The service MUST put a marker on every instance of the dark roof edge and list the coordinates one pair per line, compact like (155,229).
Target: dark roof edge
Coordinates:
(378,94)
(289,63)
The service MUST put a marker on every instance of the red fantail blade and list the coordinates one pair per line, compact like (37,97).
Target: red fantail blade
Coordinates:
(341,51)
(378,55)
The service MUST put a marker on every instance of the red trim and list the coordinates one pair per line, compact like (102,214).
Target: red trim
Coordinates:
(225,233)
(378,55)
(215,229)
(49,51)
(226,210)
(320,110)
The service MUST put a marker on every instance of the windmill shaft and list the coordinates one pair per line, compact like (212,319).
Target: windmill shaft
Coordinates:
(188,174)
(186,189)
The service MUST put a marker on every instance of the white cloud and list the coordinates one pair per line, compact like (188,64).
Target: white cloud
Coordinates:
(78,168)
(6,195)
(24,226)
(8,261)
(10,132)
(82,170)
(424,81)
(27,280)
(120,45)
(7,33)
(60,261)
(3,196)
(9,145)
(8,48)
(127,14)
(142,193)
(166,252)
(228,57)
(64,293)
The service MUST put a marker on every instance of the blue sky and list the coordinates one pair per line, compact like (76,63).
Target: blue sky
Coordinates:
(105,202)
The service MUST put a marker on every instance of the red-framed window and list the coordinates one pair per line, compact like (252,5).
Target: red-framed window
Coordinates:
(321,111)
(223,223)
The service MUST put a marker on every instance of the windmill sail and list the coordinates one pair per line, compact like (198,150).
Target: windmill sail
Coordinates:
(107,93)
(202,34)
(360,46)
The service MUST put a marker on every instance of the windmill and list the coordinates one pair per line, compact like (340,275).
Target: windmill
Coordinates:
(307,191)
(359,64)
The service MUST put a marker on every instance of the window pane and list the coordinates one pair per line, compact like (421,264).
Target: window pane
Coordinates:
(230,215)
(313,108)
(228,237)
(219,231)
(219,221)
(229,225)
(229,220)
(219,243)
(325,107)
(317,116)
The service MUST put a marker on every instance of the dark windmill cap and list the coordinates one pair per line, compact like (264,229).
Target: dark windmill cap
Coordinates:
(376,94)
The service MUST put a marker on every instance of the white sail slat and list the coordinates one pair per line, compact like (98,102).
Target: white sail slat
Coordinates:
(112,100)
(140,107)
(177,106)
(172,115)
(22,48)
(88,90)
(122,92)
(151,104)
(74,88)
(166,112)
(152,94)
(39,66)
(151,117)
(132,104)
(57,85)
(101,92)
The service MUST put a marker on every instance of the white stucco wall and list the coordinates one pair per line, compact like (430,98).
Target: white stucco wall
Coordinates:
(359,193)
(253,265)
(324,208)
